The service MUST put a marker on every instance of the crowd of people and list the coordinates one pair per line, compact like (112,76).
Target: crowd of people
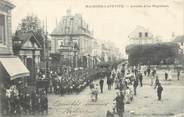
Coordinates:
(69,81)
(126,80)
(17,101)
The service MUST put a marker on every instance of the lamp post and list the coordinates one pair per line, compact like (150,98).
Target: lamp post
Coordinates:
(33,67)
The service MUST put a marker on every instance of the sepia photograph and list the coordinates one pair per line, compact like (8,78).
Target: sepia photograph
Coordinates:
(91,58)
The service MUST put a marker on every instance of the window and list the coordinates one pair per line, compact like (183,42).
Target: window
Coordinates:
(146,34)
(140,34)
(2,28)
(61,43)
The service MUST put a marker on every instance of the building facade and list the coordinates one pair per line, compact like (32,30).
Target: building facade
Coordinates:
(27,47)
(11,67)
(73,40)
(7,60)
(142,35)
(5,27)
(180,41)
(109,52)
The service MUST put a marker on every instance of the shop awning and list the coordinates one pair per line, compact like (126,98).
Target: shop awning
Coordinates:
(14,67)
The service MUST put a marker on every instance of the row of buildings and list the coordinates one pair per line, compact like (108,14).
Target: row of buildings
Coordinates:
(142,36)
(71,44)
(74,42)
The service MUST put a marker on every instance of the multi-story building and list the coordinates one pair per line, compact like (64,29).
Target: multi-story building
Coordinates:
(109,52)
(96,51)
(11,67)
(142,35)
(7,60)
(180,41)
(72,39)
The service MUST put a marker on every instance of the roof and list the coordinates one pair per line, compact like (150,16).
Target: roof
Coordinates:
(40,37)
(179,38)
(72,25)
(8,4)
(138,29)
(24,36)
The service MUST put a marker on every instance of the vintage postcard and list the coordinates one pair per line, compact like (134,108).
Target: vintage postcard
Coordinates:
(92,58)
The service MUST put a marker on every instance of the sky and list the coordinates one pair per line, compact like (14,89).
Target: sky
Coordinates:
(114,24)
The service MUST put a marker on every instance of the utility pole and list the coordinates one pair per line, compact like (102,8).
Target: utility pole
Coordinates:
(46,50)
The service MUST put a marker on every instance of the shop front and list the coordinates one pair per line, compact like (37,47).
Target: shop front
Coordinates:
(12,70)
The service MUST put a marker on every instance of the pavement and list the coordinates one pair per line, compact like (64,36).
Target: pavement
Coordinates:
(145,104)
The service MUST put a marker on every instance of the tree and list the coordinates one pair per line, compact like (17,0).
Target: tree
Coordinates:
(152,53)
(30,23)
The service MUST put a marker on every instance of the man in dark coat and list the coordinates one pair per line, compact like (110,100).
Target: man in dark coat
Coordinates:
(159,91)
(44,104)
(17,106)
(123,70)
(156,82)
(135,86)
(109,82)
(101,85)
(140,78)
(117,101)
(148,70)
(178,74)
(166,75)
(35,101)
(120,104)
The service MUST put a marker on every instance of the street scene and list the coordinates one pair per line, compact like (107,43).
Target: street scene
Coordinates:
(66,59)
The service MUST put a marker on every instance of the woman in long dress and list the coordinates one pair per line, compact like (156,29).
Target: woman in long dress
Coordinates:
(169,75)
